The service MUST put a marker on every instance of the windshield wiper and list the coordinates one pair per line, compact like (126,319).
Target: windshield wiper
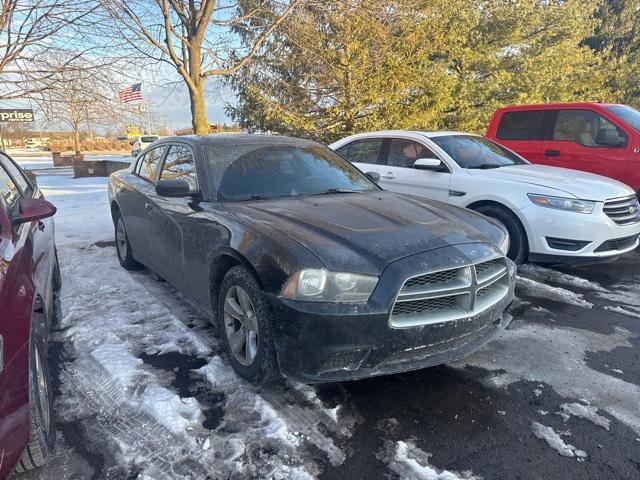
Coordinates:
(338,190)
(486,166)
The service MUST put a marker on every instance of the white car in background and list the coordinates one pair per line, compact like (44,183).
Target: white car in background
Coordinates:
(141,142)
(553,215)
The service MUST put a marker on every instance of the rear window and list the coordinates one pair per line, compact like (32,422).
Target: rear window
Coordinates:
(521,125)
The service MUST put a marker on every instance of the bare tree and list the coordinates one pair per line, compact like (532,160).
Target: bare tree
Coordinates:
(199,39)
(31,31)
(83,97)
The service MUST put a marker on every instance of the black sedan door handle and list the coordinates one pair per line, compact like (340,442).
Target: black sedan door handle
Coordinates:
(552,153)
(148,207)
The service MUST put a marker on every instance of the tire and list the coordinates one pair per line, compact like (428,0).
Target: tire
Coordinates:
(256,362)
(57,277)
(519,243)
(42,432)
(123,247)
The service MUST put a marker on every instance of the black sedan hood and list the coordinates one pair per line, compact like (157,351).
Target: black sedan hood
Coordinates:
(364,232)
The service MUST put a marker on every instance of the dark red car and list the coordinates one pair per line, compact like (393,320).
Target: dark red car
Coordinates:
(29,282)
(600,138)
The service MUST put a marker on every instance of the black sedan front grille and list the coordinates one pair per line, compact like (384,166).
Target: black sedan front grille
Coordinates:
(450,294)
(617,244)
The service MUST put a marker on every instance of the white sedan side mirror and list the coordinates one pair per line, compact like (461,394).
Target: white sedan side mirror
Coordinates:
(427,164)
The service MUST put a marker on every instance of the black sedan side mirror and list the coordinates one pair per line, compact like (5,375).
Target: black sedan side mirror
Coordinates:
(174,188)
(373,176)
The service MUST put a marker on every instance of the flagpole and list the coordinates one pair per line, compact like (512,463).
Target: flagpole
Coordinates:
(146,106)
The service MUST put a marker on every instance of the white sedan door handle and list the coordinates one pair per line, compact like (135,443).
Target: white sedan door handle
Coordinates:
(388,176)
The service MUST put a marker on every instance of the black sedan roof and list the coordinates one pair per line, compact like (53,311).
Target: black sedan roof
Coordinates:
(239,139)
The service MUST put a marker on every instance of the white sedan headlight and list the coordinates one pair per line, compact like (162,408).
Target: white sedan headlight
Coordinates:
(562,203)
(318,285)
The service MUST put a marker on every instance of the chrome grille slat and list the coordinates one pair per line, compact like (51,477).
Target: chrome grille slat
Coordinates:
(450,294)
(623,211)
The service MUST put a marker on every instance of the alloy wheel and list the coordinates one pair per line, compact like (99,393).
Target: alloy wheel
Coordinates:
(121,239)
(241,325)
(43,390)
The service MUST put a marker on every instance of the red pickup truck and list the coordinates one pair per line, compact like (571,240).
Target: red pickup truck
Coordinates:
(600,138)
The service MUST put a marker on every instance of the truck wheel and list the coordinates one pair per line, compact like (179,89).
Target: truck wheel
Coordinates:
(123,247)
(42,432)
(519,248)
(244,320)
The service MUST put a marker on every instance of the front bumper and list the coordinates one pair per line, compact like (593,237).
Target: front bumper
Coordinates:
(597,230)
(337,342)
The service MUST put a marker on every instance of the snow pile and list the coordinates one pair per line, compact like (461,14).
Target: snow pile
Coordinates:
(540,290)
(586,412)
(282,418)
(411,463)
(548,275)
(629,311)
(554,440)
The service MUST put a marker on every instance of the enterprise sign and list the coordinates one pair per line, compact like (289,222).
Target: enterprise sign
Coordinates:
(12,115)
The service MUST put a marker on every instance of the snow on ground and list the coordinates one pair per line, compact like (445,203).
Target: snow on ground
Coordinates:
(556,356)
(588,412)
(112,319)
(411,463)
(548,275)
(554,440)
(536,289)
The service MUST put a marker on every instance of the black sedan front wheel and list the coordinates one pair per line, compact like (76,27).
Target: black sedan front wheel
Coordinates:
(244,320)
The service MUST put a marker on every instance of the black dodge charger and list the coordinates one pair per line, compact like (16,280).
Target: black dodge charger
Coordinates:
(309,268)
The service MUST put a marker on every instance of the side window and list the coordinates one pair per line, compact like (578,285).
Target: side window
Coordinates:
(521,125)
(179,165)
(343,151)
(9,190)
(365,151)
(404,153)
(18,177)
(148,164)
(588,129)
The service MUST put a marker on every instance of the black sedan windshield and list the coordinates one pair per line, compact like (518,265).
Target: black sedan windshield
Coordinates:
(254,172)
(470,151)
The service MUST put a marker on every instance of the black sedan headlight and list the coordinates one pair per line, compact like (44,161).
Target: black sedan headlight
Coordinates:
(319,285)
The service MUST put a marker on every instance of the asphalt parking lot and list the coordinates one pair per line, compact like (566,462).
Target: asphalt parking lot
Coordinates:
(556,396)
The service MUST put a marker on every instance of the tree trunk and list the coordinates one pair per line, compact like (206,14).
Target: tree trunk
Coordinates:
(76,140)
(198,109)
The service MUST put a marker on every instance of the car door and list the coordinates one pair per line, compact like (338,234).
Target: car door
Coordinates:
(523,132)
(168,217)
(16,294)
(41,232)
(364,153)
(135,205)
(582,139)
(400,175)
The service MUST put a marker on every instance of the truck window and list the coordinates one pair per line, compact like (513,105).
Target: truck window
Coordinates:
(521,125)
(588,129)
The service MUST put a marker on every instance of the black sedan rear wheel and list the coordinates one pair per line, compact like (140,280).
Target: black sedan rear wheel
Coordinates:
(123,247)
(244,321)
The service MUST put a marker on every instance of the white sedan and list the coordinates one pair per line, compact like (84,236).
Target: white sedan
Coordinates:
(553,215)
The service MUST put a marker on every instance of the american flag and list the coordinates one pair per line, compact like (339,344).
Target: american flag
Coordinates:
(132,93)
